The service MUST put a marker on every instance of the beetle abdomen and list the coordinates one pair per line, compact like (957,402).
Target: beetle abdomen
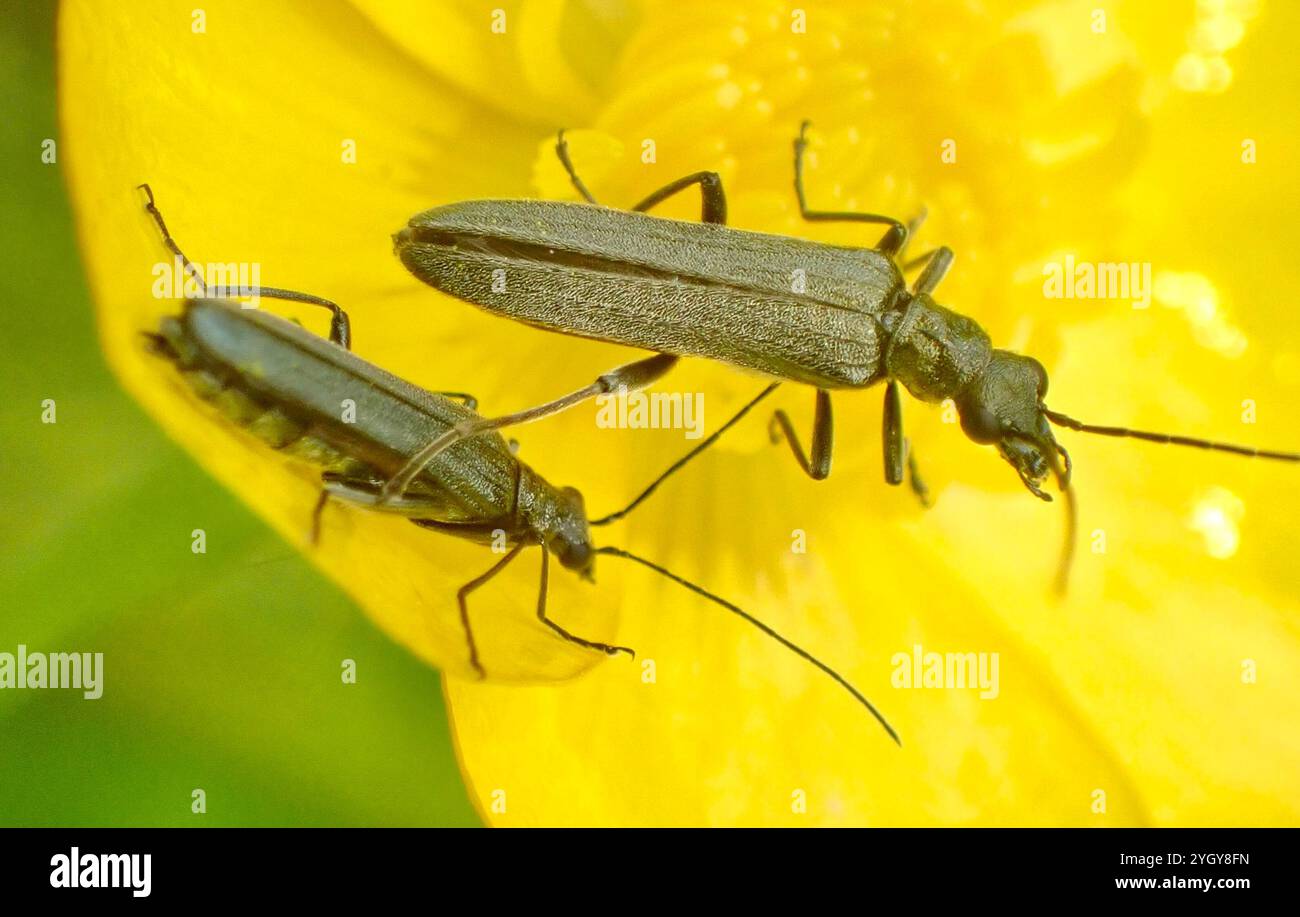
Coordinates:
(288,386)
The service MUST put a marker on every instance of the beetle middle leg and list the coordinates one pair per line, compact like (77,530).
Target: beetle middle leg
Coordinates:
(914,476)
(542,588)
(313,536)
(358,491)
(913,227)
(819,466)
(934,266)
(890,243)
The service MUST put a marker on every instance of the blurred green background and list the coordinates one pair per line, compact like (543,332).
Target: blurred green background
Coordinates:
(221,670)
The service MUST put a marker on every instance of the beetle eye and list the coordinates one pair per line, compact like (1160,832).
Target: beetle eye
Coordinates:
(1042,379)
(980,424)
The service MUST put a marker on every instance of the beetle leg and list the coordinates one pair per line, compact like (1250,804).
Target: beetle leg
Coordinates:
(823,434)
(913,226)
(631,376)
(682,462)
(562,151)
(714,199)
(714,205)
(340,324)
(898,448)
(465,398)
(313,536)
(353,490)
(895,445)
(914,476)
(356,491)
(364,492)
(890,243)
(912,264)
(462,595)
(606,648)
(936,261)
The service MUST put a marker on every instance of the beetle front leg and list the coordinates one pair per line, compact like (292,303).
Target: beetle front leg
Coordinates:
(823,435)
(899,458)
(462,600)
(890,243)
(892,435)
(607,648)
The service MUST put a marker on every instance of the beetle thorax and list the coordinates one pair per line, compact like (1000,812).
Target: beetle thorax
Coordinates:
(933,351)
(557,519)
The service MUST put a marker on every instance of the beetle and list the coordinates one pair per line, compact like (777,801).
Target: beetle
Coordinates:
(285,385)
(705,289)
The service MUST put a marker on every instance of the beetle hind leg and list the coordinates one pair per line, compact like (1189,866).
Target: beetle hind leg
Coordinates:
(470,402)
(713,206)
(562,151)
(890,243)
(340,323)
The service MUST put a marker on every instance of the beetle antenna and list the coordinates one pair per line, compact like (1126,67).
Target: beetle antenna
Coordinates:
(677,465)
(736,610)
(1169,439)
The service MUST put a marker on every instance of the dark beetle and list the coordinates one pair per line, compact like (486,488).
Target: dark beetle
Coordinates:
(828,316)
(287,385)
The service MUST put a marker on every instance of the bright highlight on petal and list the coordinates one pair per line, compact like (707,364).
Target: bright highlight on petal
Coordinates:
(1217,516)
(1219,27)
(1198,299)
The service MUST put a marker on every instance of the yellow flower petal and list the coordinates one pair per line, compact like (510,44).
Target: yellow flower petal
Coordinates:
(1159,692)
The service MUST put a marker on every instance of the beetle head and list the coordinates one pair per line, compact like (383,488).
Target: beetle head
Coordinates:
(569,537)
(1003,406)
